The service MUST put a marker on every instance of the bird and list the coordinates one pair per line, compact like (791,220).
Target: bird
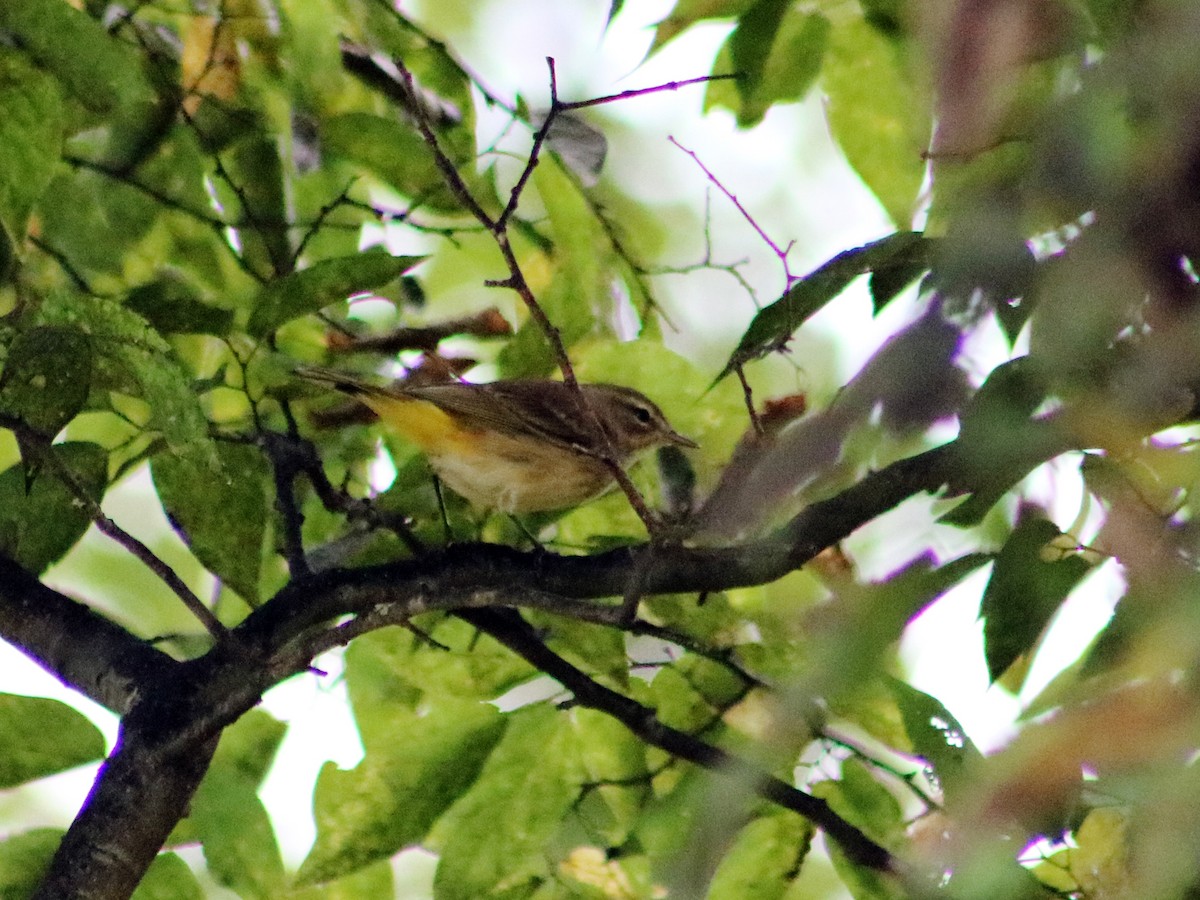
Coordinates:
(516,446)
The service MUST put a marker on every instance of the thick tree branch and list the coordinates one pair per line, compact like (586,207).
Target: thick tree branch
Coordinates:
(81,648)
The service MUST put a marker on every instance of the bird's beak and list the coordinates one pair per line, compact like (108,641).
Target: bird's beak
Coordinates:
(679,440)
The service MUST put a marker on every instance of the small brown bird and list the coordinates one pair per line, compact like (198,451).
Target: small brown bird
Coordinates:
(519,446)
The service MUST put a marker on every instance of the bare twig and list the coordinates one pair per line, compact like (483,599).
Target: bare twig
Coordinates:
(147,556)
(780,252)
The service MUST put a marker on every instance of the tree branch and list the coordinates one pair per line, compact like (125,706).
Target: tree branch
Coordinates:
(78,646)
(515,633)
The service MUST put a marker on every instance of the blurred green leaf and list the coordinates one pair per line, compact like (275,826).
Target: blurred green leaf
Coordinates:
(390,671)
(765,860)
(533,775)
(40,522)
(249,745)
(1000,440)
(936,735)
(776,52)
(235,831)
(220,510)
(400,788)
(393,152)
(168,878)
(858,797)
(24,859)
(687,13)
(75,48)
(39,737)
(878,114)
(254,165)
(1029,583)
(323,283)
(774,324)
(31,132)
(174,306)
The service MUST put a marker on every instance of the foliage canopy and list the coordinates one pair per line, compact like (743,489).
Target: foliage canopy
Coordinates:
(196,196)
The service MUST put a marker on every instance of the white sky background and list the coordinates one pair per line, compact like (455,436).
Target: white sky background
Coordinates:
(825,209)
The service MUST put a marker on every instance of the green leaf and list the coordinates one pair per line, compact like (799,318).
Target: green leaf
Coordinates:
(936,735)
(173,306)
(24,859)
(1029,583)
(765,859)
(398,791)
(254,165)
(31,132)
(878,115)
(391,670)
(687,13)
(393,152)
(999,440)
(236,834)
(859,798)
(324,283)
(40,522)
(102,73)
(168,878)
(776,52)
(249,745)
(530,781)
(133,358)
(771,328)
(39,737)
(219,510)
(46,377)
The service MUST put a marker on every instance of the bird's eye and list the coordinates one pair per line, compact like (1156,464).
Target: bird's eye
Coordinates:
(643,415)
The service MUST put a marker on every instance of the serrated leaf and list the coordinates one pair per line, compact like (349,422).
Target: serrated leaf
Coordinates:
(40,737)
(877,114)
(324,283)
(100,72)
(771,328)
(220,510)
(529,782)
(168,878)
(936,735)
(24,859)
(42,520)
(46,377)
(398,791)
(1028,585)
(31,132)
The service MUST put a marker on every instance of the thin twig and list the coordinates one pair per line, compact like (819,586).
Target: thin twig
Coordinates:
(147,556)
(781,252)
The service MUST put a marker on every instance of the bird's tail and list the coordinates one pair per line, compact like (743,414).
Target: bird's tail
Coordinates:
(346,382)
